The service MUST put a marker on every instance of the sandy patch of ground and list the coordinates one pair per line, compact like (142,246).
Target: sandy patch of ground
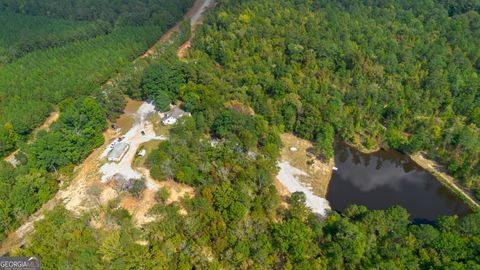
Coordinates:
(183,49)
(176,190)
(139,208)
(318,173)
(439,171)
(301,171)
(281,189)
(11,158)
(48,122)
(107,195)
(288,176)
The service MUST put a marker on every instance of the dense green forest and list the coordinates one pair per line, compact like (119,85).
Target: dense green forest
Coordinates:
(32,85)
(21,34)
(69,141)
(43,78)
(119,12)
(399,74)
(31,25)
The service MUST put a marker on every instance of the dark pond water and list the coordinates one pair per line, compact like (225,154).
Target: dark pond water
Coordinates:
(386,178)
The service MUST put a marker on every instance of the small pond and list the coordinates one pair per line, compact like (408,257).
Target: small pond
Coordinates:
(386,178)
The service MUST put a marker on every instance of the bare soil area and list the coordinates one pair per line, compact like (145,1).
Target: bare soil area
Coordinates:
(318,172)
(194,14)
(302,171)
(183,49)
(48,122)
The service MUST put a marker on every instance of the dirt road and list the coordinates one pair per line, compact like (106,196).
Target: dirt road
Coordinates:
(196,20)
(439,172)
(70,196)
(194,14)
(45,126)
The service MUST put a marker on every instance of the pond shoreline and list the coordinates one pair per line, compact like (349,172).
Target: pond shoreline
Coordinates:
(386,178)
(435,170)
(445,179)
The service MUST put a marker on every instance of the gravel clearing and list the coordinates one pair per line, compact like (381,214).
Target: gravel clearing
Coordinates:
(134,138)
(288,176)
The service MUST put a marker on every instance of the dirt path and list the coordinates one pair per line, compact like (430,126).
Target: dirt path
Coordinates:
(72,196)
(194,14)
(47,123)
(196,20)
(438,171)
(45,126)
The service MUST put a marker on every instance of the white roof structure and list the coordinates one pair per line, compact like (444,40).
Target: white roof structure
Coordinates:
(173,115)
(142,153)
(116,154)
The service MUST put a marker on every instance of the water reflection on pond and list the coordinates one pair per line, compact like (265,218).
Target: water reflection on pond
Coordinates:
(386,178)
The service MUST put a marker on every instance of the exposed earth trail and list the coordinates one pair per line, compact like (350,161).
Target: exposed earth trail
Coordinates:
(439,172)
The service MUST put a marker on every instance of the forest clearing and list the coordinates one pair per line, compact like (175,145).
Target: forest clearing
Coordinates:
(318,172)
(301,170)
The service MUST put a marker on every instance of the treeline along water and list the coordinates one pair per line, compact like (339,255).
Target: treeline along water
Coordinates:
(385,178)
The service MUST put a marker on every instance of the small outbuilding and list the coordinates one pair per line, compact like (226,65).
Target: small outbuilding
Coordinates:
(118,151)
(142,153)
(173,115)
